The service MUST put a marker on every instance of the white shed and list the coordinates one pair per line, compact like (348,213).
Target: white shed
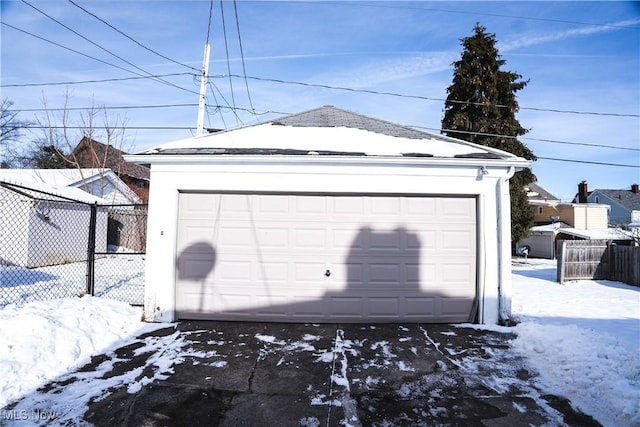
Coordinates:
(45,225)
(328,216)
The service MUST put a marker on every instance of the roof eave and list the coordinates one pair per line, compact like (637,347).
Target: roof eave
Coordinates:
(517,162)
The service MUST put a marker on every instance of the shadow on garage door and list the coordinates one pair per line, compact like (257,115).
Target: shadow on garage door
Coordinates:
(385,278)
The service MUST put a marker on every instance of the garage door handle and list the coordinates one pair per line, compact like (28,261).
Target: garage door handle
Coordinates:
(327,273)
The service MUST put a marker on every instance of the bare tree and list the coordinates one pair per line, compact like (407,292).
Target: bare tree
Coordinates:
(632,233)
(77,141)
(11,132)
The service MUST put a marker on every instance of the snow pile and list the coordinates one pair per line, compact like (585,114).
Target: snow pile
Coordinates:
(583,339)
(42,340)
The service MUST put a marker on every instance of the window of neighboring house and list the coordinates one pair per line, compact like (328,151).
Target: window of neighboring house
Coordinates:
(597,199)
(540,210)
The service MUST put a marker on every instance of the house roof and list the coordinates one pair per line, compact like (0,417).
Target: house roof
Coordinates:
(329,116)
(549,228)
(626,198)
(68,178)
(93,154)
(330,131)
(36,189)
(54,177)
(537,193)
(600,234)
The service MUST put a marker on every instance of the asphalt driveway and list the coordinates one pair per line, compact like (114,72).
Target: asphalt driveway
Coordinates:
(270,374)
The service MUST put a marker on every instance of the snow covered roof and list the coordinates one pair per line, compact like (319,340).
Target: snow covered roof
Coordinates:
(329,131)
(41,190)
(548,228)
(601,234)
(55,177)
(538,195)
(72,177)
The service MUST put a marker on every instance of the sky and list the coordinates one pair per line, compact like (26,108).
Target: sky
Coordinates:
(388,60)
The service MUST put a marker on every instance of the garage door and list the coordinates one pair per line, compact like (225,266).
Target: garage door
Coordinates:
(325,258)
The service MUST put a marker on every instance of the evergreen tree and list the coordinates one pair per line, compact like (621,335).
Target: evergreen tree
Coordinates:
(481,102)
(48,157)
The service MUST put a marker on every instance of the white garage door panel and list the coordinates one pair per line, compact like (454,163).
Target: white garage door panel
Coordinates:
(264,257)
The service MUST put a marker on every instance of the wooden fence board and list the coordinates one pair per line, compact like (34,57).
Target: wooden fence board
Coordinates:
(598,260)
(626,264)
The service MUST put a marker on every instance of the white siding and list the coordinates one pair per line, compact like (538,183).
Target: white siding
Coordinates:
(268,174)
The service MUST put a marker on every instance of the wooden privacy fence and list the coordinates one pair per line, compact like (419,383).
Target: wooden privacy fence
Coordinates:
(598,260)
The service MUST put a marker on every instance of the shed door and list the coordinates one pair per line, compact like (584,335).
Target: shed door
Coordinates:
(325,258)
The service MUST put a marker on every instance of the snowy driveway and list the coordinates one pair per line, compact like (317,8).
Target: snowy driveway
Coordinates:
(228,374)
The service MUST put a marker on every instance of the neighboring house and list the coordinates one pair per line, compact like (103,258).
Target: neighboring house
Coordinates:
(584,216)
(570,221)
(543,204)
(40,226)
(328,216)
(93,154)
(624,204)
(102,183)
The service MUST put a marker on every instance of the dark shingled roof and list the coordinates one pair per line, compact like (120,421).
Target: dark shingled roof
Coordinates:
(626,198)
(330,116)
(542,193)
(93,154)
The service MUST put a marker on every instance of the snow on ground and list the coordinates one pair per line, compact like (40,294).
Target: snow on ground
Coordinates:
(582,338)
(118,276)
(45,339)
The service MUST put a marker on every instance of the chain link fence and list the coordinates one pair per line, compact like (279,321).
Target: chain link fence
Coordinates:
(54,247)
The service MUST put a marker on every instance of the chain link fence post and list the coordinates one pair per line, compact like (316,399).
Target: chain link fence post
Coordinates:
(91,250)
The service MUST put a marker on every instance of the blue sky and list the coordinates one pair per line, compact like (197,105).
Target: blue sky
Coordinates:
(582,103)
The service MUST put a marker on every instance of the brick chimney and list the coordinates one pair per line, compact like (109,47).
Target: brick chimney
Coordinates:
(583,192)
(635,189)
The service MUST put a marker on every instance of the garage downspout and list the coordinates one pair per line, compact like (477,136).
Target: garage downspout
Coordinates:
(479,303)
(504,248)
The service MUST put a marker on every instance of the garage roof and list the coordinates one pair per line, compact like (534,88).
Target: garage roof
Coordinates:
(328,131)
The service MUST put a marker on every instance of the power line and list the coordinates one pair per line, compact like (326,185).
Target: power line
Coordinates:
(233,109)
(244,69)
(224,123)
(429,9)
(101,47)
(111,127)
(584,144)
(399,95)
(261,113)
(210,15)
(590,163)
(226,48)
(94,81)
(251,110)
(120,107)
(131,38)
(72,50)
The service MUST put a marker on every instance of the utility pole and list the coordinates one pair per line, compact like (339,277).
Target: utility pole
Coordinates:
(203,90)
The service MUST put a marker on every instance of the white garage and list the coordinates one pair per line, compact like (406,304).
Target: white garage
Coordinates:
(328,216)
